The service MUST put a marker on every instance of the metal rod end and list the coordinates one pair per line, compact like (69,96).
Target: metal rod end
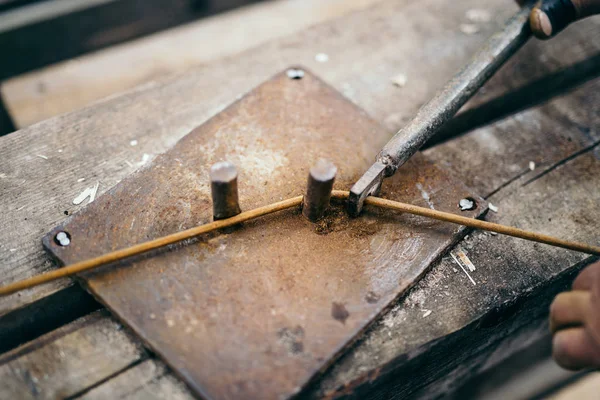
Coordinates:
(224,190)
(318,191)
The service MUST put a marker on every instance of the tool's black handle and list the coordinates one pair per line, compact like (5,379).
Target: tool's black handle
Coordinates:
(552,16)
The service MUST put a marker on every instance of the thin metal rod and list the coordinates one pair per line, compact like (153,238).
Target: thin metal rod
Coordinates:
(483,225)
(279,206)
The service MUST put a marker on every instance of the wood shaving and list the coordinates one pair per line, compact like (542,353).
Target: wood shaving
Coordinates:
(456,259)
(89,192)
(469,29)
(322,58)
(478,15)
(41,156)
(400,80)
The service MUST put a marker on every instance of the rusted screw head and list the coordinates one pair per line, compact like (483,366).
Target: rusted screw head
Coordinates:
(223,183)
(467,204)
(62,239)
(295,73)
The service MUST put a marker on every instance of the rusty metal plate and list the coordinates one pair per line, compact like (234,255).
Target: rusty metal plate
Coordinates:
(258,311)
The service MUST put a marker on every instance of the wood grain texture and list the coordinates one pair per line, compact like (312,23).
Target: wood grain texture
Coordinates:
(149,380)
(94,143)
(70,85)
(509,272)
(63,363)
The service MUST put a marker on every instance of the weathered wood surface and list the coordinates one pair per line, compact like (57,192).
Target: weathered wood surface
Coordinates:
(94,143)
(70,28)
(72,84)
(68,361)
(586,388)
(506,280)
(515,282)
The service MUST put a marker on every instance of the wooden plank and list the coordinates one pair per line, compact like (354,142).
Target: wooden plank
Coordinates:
(584,389)
(455,304)
(65,362)
(511,276)
(150,379)
(72,84)
(95,143)
(87,25)
(508,273)
(67,130)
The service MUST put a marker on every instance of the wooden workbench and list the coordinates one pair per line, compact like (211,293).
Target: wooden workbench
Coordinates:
(446,330)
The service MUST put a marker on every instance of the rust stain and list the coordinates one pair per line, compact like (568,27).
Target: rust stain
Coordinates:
(256,311)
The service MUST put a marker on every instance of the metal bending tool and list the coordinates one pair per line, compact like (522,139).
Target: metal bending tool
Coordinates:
(439,110)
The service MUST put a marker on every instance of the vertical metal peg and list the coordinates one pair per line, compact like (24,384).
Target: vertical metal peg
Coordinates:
(318,192)
(223,186)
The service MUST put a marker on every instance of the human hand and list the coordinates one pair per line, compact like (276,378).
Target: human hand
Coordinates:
(575,322)
(549,17)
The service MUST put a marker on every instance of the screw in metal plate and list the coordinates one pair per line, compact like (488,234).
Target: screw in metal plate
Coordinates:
(62,239)
(318,191)
(223,184)
(467,204)
(295,73)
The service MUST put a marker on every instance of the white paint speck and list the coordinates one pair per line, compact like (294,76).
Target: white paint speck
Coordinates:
(2,176)
(60,150)
(80,180)
(133,142)
(531,165)
(400,80)
(145,159)
(427,313)
(493,207)
(469,29)
(425,196)
(478,15)
(12,250)
(41,156)
(321,57)
(88,192)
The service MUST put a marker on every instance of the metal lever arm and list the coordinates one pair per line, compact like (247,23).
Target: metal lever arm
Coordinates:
(446,103)
(455,94)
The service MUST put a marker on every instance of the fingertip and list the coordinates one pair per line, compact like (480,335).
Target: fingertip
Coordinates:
(574,349)
(586,277)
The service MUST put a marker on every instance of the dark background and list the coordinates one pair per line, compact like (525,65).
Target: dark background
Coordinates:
(62,31)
